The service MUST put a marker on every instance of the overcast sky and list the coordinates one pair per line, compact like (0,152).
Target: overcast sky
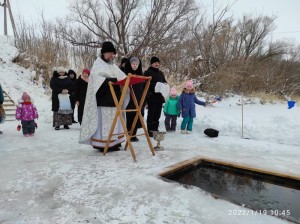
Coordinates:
(287,12)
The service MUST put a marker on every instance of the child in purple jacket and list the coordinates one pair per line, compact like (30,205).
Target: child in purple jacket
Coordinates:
(187,107)
(27,112)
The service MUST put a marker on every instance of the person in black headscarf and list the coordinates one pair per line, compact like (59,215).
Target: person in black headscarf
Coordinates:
(123,63)
(134,67)
(72,76)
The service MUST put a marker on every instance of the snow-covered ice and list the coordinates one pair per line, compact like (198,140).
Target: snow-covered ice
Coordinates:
(50,178)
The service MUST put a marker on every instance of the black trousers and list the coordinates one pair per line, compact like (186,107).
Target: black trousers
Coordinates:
(170,122)
(80,112)
(72,100)
(129,121)
(155,103)
(28,127)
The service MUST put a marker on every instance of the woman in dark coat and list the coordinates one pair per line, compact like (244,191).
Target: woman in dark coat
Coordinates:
(72,76)
(134,67)
(123,64)
(80,92)
(60,83)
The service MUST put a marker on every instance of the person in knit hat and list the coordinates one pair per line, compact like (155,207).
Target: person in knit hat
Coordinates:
(80,92)
(187,107)
(171,110)
(154,99)
(189,84)
(26,112)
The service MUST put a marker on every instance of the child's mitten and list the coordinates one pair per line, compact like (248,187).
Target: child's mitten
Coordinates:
(36,125)
(19,127)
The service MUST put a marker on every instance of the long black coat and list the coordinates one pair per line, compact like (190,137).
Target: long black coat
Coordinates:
(157,76)
(80,94)
(57,85)
(137,88)
(72,93)
(138,92)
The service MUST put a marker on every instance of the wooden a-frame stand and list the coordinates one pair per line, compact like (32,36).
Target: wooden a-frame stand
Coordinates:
(127,84)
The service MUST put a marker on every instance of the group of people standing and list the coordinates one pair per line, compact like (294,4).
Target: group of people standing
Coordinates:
(100,109)
(90,92)
(67,91)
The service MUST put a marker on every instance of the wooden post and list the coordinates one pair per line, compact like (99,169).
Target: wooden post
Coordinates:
(12,19)
(5,18)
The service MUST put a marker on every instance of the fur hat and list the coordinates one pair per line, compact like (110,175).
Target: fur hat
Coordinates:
(173,91)
(25,96)
(108,47)
(87,71)
(134,60)
(154,59)
(60,69)
(189,84)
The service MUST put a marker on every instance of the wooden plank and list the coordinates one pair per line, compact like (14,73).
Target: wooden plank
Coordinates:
(196,160)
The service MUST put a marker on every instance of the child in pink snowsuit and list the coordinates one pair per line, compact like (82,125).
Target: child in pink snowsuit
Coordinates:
(26,112)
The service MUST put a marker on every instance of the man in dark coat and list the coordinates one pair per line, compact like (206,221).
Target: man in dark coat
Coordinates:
(154,100)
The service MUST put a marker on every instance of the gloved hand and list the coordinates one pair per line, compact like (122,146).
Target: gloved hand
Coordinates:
(65,91)
(19,127)
(36,125)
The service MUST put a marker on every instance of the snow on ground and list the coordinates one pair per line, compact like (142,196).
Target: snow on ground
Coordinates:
(50,178)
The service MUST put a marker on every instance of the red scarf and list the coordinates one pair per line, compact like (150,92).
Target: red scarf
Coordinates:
(26,102)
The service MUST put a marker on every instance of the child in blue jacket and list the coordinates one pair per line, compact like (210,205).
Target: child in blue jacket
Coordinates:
(187,107)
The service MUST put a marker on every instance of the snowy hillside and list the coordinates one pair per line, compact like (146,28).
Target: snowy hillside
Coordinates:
(50,178)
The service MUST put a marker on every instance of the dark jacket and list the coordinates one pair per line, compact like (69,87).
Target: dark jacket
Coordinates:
(80,94)
(57,85)
(104,97)
(72,93)
(187,103)
(157,76)
(137,88)
(80,90)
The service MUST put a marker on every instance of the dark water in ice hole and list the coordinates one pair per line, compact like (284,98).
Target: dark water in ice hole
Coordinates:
(276,195)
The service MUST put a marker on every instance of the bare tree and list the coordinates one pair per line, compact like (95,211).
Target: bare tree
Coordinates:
(134,26)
